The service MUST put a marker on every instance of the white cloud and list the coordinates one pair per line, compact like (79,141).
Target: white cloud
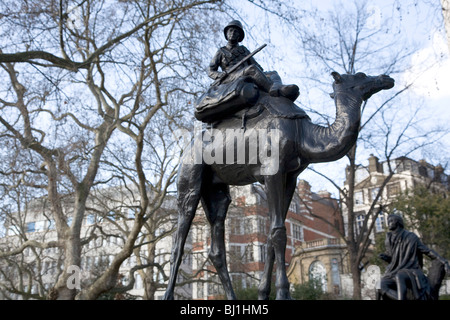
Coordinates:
(431,70)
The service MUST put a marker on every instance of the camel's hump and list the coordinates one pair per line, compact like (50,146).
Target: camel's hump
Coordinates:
(281,107)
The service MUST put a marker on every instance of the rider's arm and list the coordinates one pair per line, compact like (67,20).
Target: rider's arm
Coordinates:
(214,65)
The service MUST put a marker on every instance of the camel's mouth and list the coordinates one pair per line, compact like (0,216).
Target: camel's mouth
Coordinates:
(376,84)
(386,82)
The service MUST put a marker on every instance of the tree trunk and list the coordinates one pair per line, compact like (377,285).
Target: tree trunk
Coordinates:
(150,285)
(356,277)
(68,283)
(353,244)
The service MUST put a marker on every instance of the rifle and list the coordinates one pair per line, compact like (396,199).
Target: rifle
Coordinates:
(237,65)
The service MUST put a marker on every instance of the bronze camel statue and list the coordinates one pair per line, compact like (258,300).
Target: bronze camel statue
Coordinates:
(299,143)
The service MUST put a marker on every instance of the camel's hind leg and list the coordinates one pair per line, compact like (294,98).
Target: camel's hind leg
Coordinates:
(216,199)
(277,226)
(189,193)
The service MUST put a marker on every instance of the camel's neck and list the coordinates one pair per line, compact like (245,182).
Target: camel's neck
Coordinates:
(323,144)
(348,112)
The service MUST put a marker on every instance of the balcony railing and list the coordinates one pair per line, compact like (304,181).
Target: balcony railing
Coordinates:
(325,242)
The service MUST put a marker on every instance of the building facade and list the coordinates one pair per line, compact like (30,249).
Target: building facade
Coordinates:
(407,175)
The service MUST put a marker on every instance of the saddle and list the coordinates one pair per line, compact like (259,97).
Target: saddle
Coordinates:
(242,98)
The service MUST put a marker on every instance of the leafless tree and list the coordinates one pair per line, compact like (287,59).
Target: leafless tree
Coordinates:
(82,83)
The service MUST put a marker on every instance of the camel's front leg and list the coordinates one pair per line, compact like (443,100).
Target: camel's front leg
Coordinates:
(215,200)
(277,197)
(189,193)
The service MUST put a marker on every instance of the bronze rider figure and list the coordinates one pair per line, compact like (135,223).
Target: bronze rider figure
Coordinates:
(231,54)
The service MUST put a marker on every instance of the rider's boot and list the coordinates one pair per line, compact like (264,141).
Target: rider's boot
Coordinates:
(278,89)
(290,91)
(271,83)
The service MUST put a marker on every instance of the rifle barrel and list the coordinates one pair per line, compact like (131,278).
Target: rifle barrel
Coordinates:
(237,65)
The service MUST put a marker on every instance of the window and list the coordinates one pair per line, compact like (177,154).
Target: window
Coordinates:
(51,224)
(90,219)
(335,278)
(160,231)
(262,253)
(262,225)
(2,229)
(187,258)
(380,222)
(235,253)
(249,257)
(423,171)
(213,287)
(98,242)
(374,193)
(131,213)
(407,165)
(318,274)
(359,197)
(199,234)
(46,267)
(139,284)
(235,226)
(293,207)
(393,189)
(360,216)
(88,263)
(158,277)
(199,290)
(114,215)
(248,225)
(39,226)
(297,232)
(31,226)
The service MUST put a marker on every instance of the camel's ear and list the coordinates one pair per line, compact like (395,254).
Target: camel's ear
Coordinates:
(336,76)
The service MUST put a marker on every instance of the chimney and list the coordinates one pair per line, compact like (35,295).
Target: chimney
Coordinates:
(374,165)
(347,173)
(438,171)
(423,168)
(304,192)
(304,188)
(324,194)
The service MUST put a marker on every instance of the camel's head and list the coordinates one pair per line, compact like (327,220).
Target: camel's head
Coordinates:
(361,84)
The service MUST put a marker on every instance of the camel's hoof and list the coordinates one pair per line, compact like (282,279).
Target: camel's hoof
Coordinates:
(168,296)
(283,294)
(263,295)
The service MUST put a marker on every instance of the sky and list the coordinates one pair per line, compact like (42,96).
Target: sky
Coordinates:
(420,23)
